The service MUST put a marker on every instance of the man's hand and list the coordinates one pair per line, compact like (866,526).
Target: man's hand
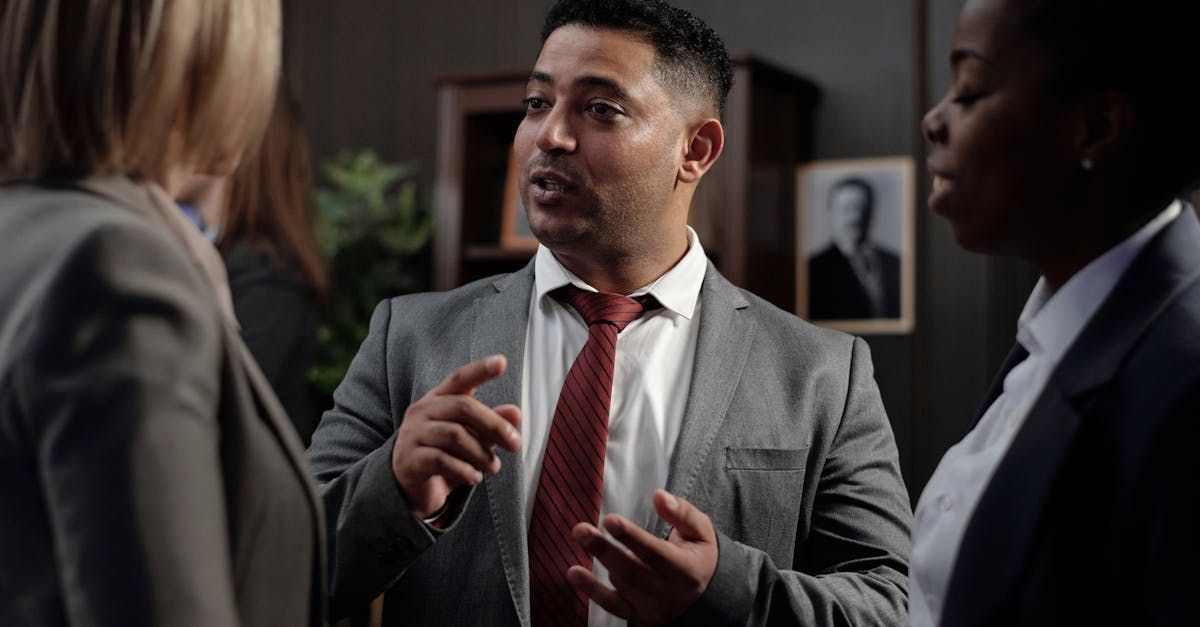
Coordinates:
(655,580)
(447,437)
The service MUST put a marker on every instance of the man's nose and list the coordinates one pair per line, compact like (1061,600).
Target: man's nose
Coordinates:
(556,134)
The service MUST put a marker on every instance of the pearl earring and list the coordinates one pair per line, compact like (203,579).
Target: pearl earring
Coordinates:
(1086,164)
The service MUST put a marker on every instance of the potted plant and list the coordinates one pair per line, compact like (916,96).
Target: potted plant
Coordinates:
(374,226)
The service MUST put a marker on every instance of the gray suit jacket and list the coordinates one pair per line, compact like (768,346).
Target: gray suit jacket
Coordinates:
(148,476)
(785,445)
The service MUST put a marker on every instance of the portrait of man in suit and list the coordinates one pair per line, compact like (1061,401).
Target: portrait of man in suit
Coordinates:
(614,432)
(855,260)
(853,277)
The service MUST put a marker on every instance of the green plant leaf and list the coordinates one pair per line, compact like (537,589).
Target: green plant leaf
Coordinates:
(374,225)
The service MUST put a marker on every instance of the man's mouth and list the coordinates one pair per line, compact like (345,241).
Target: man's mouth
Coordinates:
(551,180)
(549,187)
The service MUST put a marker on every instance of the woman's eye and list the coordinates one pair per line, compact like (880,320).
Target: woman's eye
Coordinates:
(966,98)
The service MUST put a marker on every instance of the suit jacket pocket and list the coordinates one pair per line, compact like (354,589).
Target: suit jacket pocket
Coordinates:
(765,458)
(759,499)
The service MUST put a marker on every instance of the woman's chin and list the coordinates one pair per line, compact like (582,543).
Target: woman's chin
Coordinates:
(970,238)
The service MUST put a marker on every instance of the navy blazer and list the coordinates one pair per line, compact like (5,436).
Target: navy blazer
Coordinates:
(1093,515)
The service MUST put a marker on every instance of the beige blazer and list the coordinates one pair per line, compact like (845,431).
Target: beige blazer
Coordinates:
(148,475)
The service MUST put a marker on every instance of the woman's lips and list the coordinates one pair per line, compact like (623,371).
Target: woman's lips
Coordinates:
(939,190)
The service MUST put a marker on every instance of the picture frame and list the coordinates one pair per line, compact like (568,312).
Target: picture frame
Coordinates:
(515,233)
(855,245)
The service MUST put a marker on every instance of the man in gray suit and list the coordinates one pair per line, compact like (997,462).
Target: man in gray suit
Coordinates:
(739,459)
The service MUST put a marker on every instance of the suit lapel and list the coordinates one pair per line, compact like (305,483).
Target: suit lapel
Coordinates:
(1167,265)
(722,345)
(988,560)
(1012,502)
(129,195)
(276,419)
(500,323)
(1015,356)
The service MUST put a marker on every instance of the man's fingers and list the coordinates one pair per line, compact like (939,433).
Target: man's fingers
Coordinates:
(432,461)
(456,440)
(511,413)
(658,554)
(466,378)
(489,427)
(690,523)
(605,597)
(622,564)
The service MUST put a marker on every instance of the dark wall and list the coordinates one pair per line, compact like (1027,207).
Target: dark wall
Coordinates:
(364,72)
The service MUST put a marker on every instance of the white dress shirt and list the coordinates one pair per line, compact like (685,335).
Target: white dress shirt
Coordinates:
(1046,328)
(651,378)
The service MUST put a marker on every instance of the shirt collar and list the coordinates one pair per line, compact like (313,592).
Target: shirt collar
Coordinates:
(677,290)
(1051,321)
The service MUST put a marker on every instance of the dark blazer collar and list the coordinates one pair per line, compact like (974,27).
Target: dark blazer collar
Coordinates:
(1015,356)
(1166,266)
(996,541)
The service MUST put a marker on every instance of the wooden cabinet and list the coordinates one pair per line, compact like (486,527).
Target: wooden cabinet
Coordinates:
(744,210)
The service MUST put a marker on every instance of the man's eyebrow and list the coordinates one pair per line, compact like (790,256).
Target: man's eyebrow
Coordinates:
(959,55)
(602,82)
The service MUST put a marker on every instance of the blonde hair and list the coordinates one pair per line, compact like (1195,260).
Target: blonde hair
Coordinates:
(133,86)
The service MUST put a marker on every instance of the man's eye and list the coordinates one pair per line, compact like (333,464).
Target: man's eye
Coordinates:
(534,103)
(602,110)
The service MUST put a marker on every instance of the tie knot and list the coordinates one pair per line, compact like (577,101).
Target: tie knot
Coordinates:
(602,307)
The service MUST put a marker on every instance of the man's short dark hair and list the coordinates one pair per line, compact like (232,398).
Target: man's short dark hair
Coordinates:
(691,55)
(868,190)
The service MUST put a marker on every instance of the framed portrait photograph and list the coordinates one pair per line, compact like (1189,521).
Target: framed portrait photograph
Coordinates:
(855,244)
(515,233)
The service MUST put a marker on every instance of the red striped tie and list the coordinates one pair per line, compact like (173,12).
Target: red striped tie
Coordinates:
(572,481)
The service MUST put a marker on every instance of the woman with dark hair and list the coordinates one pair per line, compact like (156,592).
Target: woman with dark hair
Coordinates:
(276,273)
(1068,133)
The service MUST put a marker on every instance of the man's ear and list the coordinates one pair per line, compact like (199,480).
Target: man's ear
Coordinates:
(1104,128)
(704,146)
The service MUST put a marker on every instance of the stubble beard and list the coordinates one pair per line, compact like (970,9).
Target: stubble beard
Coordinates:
(609,226)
